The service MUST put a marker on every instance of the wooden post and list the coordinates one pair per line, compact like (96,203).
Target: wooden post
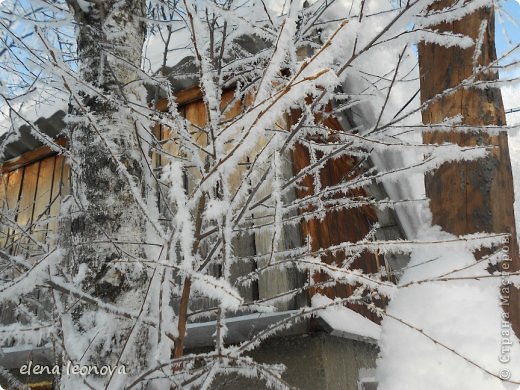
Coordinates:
(470,197)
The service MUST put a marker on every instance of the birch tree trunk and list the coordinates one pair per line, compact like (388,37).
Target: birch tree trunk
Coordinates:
(470,197)
(107,174)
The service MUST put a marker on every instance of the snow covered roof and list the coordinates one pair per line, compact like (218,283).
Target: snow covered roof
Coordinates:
(341,321)
(25,141)
(182,72)
(47,114)
(24,125)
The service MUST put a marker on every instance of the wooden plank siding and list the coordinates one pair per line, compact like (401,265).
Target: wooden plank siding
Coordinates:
(30,202)
(337,226)
(194,110)
(10,211)
(33,185)
(31,190)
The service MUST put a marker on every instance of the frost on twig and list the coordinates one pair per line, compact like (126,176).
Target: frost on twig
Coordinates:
(225,159)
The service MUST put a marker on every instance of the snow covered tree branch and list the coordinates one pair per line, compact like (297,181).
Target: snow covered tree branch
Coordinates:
(226,159)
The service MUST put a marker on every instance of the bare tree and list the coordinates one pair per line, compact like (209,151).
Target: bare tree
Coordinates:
(178,210)
(108,219)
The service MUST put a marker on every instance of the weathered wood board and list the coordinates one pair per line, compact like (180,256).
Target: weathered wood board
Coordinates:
(478,196)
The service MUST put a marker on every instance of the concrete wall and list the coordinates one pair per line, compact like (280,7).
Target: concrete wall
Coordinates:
(315,361)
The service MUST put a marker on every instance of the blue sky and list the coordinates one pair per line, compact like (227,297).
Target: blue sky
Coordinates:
(507,36)
(508,24)
(510,9)
(508,28)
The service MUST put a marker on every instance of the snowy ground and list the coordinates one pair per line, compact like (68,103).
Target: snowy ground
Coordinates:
(418,340)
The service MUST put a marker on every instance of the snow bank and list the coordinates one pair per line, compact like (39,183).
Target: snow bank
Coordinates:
(447,334)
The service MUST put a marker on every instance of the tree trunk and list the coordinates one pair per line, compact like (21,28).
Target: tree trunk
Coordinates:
(107,223)
(470,197)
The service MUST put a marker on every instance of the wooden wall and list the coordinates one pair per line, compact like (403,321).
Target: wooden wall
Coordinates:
(481,194)
(270,283)
(337,225)
(31,190)
(33,185)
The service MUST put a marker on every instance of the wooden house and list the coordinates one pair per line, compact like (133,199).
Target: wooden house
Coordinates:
(35,178)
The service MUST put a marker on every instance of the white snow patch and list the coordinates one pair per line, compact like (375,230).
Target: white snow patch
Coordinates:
(345,320)
(463,315)
(178,47)
(42,106)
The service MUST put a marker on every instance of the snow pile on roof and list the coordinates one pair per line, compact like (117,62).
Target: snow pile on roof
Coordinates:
(344,321)
(45,102)
(369,80)
(177,46)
